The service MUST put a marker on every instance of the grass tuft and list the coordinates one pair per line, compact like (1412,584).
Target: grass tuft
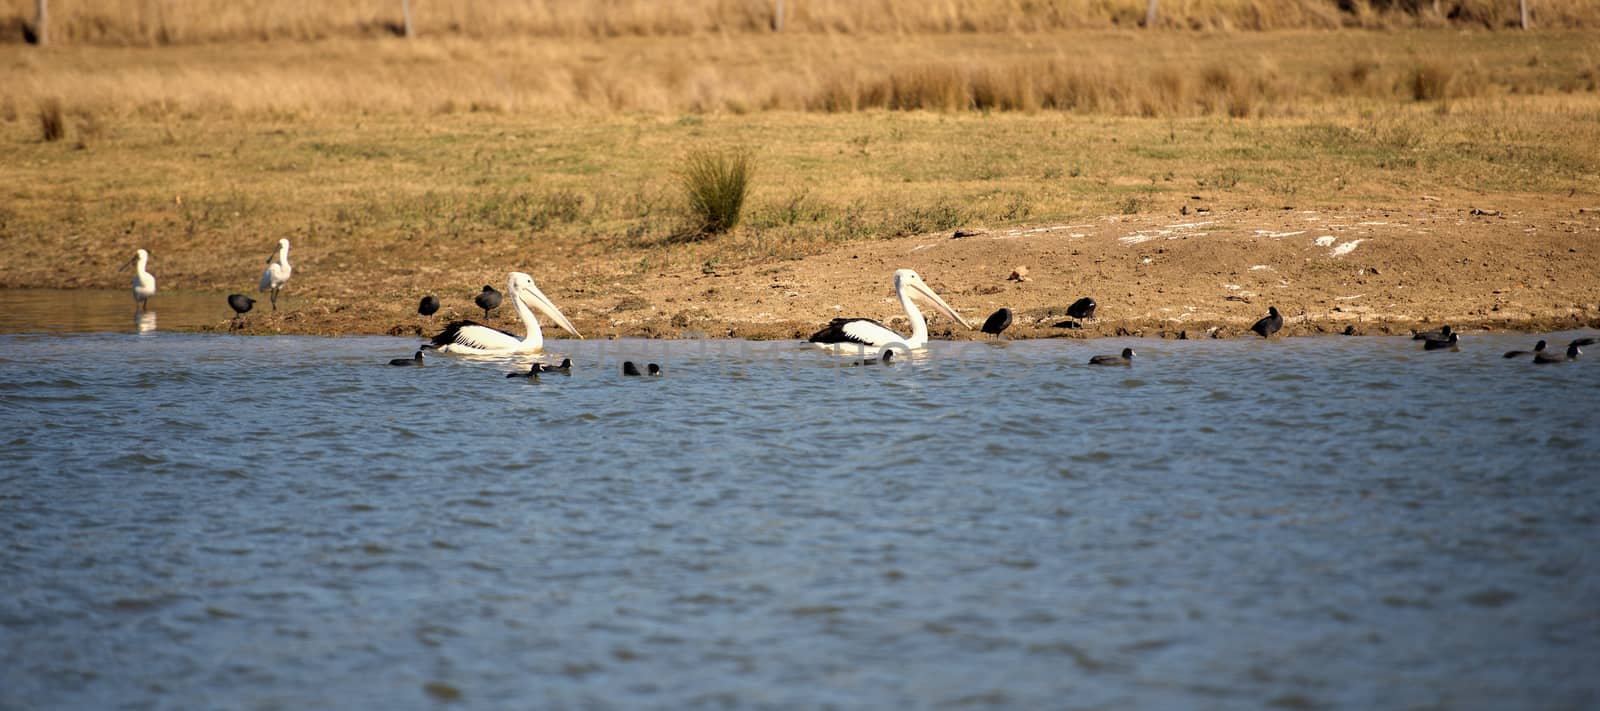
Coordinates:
(1433,81)
(52,125)
(715,184)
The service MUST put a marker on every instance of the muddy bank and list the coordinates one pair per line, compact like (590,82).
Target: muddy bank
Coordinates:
(1208,273)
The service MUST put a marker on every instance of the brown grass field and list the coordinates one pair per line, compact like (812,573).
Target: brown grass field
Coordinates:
(438,164)
(150,23)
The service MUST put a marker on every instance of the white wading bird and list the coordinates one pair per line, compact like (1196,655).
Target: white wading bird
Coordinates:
(277,272)
(850,334)
(144,285)
(471,338)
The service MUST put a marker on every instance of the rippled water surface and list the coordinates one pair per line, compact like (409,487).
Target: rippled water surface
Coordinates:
(222,522)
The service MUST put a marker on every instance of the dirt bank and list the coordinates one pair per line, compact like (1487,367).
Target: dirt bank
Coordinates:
(1532,266)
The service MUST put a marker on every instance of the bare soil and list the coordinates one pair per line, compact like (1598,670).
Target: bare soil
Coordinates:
(1530,265)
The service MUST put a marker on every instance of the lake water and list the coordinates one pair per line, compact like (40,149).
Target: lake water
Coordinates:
(211,521)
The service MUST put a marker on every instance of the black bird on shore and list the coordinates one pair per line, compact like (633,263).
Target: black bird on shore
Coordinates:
(998,322)
(240,304)
(1082,308)
(1537,349)
(1438,334)
(1125,359)
(1269,325)
(429,305)
(487,299)
(414,360)
(1548,357)
(1439,344)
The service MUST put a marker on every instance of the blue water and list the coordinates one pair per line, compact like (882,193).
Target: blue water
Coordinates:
(206,521)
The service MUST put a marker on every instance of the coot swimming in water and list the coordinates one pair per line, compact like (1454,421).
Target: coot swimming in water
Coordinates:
(1125,359)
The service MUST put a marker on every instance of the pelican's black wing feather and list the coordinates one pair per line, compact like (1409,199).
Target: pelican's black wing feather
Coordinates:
(453,329)
(835,331)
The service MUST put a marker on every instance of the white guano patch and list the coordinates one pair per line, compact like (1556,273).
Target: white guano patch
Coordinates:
(1344,249)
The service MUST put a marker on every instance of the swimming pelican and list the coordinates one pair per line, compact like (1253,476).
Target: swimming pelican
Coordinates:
(470,338)
(144,285)
(849,333)
(277,272)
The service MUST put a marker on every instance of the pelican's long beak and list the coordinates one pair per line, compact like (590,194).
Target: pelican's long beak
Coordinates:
(922,289)
(538,300)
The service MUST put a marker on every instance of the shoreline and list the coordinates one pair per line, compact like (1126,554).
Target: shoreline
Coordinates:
(1354,272)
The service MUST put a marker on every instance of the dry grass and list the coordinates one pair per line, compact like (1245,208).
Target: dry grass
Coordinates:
(142,22)
(417,162)
(715,185)
(1119,73)
(417,200)
(52,126)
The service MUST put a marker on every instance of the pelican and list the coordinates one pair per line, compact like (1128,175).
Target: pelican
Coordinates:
(849,333)
(277,272)
(144,285)
(470,338)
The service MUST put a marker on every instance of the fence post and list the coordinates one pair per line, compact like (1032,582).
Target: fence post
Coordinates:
(1150,14)
(777,16)
(405,5)
(41,26)
(1523,5)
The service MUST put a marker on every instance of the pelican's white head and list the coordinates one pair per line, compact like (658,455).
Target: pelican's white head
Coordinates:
(520,286)
(908,281)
